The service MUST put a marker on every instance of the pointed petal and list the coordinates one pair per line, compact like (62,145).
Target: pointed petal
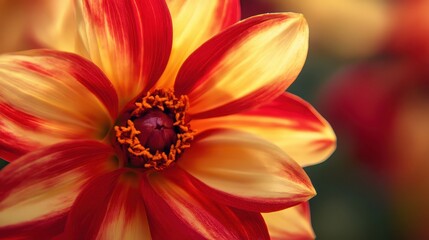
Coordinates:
(178,210)
(38,189)
(289,122)
(194,22)
(246,172)
(110,207)
(291,223)
(246,65)
(129,40)
(47,96)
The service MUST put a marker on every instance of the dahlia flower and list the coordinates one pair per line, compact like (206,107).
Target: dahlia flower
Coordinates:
(171,122)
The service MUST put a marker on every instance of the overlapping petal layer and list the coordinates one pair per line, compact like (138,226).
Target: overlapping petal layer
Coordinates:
(129,40)
(246,172)
(38,189)
(110,207)
(291,223)
(178,210)
(289,122)
(194,22)
(244,66)
(48,96)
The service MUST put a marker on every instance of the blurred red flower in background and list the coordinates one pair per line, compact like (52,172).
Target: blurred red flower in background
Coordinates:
(381,107)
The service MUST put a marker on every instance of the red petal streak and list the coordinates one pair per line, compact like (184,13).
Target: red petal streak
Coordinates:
(110,207)
(228,12)
(26,120)
(38,189)
(90,76)
(289,122)
(11,146)
(246,172)
(178,210)
(48,96)
(250,63)
(130,40)
(212,51)
(195,22)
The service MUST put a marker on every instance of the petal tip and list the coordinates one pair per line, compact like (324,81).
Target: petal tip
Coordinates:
(331,140)
(313,192)
(308,192)
(299,21)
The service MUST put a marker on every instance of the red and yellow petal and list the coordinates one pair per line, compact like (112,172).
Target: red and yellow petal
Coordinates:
(289,122)
(48,96)
(178,210)
(245,172)
(38,189)
(246,65)
(290,223)
(110,207)
(129,40)
(195,22)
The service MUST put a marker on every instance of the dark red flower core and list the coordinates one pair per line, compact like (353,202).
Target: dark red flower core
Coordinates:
(156,133)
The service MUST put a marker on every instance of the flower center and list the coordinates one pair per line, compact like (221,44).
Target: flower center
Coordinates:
(156,132)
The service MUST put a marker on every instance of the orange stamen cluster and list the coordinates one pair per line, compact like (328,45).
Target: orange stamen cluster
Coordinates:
(166,101)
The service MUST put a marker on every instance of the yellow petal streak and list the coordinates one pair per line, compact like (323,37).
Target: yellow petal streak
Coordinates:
(306,145)
(245,166)
(125,219)
(194,22)
(40,199)
(65,107)
(270,54)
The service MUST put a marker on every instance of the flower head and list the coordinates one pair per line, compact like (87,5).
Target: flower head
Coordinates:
(159,132)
